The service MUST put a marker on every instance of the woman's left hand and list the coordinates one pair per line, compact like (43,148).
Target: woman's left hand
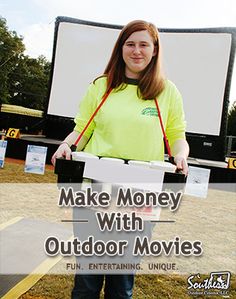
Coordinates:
(180,151)
(181,164)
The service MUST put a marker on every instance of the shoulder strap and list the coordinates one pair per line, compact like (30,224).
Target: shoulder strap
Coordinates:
(171,158)
(74,146)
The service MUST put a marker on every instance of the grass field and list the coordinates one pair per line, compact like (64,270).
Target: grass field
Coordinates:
(59,286)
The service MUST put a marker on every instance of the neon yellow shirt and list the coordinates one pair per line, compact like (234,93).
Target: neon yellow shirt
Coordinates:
(128,127)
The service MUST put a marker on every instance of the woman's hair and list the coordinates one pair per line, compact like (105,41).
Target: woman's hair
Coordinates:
(151,81)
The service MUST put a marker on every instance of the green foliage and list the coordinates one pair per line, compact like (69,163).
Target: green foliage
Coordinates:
(232,121)
(29,82)
(11,47)
(23,80)
(231,129)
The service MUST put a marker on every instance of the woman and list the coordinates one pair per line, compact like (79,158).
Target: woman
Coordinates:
(128,125)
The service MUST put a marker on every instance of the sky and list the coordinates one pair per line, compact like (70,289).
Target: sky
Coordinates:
(34,19)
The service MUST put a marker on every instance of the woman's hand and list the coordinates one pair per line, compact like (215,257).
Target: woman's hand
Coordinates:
(62,151)
(180,151)
(181,164)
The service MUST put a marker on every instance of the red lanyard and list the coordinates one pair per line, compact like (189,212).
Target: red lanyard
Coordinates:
(92,117)
(98,108)
(163,130)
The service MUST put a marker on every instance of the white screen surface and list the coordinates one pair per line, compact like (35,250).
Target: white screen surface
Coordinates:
(81,55)
(197,62)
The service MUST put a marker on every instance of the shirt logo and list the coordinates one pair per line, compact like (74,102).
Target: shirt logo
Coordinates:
(149,111)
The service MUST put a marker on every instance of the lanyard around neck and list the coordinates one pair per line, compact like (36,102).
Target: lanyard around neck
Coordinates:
(98,108)
(91,118)
(163,131)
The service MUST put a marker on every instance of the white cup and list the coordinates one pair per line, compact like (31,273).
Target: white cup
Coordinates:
(139,163)
(83,157)
(162,165)
(113,160)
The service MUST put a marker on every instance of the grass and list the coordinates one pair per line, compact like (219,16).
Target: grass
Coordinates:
(13,172)
(146,287)
(60,286)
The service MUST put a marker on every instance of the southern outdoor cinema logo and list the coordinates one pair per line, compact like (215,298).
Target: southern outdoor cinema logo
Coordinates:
(217,283)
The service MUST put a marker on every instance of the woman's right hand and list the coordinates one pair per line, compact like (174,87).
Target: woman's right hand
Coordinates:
(62,151)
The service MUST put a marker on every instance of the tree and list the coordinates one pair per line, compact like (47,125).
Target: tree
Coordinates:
(29,82)
(23,80)
(232,121)
(231,129)
(11,48)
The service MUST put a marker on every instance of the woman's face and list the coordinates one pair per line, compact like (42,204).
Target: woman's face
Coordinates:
(137,52)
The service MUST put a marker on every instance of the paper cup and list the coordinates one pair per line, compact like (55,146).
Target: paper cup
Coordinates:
(162,165)
(112,160)
(82,156)
(139,163)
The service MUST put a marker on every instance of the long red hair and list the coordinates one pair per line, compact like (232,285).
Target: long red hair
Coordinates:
(151,81)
